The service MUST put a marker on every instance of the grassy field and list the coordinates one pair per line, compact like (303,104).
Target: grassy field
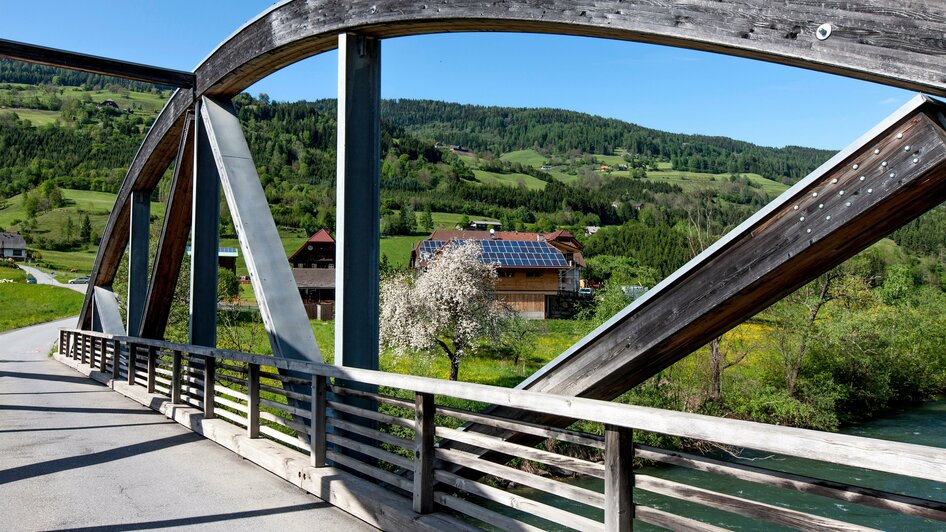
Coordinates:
(51,224)
(28,304)
(690,181)
(493,178)
(143,104)
(37,117)
(526,157)
(398,248)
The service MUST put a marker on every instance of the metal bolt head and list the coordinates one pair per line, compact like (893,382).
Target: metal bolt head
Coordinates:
(876,151)
(823,32)
(821,205)
(808,231)
(847,204)
(828,217)
(833,181)
(863,178)
(856,166)
(802,219)
(906,148)
(899,135)
(884,164)
(870,191)
(915,160)
(814,194)
(892,175)
(841,193)
(796,207)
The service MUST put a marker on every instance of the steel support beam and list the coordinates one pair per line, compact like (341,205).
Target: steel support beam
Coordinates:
(173,240)
(139,238)
(205,227)
(94,64)
(284,317)
(358,204)
(106,315)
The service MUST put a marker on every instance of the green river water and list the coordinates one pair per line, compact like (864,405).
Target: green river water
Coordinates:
(923,425)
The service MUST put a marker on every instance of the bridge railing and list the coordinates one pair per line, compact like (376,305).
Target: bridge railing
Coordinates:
(408,434)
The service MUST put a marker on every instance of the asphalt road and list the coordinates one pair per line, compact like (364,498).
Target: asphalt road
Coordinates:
(45,278)
(76,455)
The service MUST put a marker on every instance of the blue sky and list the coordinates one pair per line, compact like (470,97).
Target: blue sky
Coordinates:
(661,87)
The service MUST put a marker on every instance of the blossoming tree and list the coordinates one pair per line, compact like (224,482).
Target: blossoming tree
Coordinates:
(448,307)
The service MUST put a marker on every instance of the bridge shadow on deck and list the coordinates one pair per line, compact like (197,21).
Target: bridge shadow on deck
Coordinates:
(202,519)
(49,377)
(75,462)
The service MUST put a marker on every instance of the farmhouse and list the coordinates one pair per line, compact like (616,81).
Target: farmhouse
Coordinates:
(313,267)
(12,246)
(536,271)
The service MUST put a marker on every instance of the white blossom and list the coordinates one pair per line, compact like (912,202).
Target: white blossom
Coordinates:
(447,307)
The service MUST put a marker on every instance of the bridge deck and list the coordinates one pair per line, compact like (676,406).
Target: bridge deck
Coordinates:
(69,460)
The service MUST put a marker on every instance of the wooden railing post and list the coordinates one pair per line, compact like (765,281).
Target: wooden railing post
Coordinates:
(152,367)
(176,378)
(424,453)
(210,365)
(104,354)
(318,425)
(252,403)
(85,348)
(116,358)
(618,479)
(132,361)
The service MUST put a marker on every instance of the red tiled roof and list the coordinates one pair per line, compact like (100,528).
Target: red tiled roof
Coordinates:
(321,236)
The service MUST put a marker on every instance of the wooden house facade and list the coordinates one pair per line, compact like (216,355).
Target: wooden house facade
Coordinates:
(534,269)
(313,268)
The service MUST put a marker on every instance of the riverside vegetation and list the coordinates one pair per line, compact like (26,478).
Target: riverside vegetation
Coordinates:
(866,336)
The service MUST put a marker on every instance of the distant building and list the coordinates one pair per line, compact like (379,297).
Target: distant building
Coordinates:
(316,252)
(591,229)
(535,270)
(483,225)
(109,103)
(313,267)
(12,246)
(226,258)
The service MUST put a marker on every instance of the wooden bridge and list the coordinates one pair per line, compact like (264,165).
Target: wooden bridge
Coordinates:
(398,455)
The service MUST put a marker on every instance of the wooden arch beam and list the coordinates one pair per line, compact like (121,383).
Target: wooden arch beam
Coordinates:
(885,41)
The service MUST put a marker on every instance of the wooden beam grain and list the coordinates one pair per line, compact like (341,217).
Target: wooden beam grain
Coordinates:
(173,240)
(96,65)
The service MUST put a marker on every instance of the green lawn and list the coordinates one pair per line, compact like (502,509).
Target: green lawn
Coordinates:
(398,248)
(526,157)
(29,304)
(693,181)
(513,180)
(38,117)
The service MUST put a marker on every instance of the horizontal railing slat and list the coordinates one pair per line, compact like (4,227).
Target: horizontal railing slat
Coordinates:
(371,451)
(550,513)
(547,485)
(521,451)
(836,490)
(738,505)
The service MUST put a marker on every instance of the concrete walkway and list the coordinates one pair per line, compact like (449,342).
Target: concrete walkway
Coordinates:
(76,455)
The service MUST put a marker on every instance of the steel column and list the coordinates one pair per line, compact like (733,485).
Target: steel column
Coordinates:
(139,237)
(106,316)
(358,204)
(205,227)
(284,317)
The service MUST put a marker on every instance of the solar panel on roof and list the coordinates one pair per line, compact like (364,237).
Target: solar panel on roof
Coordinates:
(508,253)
